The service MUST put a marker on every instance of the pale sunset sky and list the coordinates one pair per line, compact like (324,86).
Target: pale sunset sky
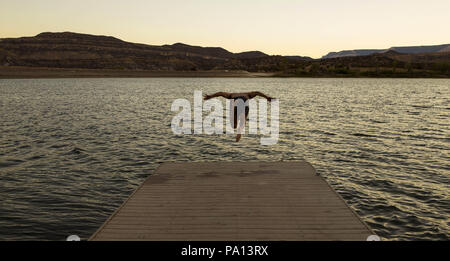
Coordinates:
(286,27)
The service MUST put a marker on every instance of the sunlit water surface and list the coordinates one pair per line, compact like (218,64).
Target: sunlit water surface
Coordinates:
(72,150)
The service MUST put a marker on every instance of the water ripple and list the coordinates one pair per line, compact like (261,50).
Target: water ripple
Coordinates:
(72,150)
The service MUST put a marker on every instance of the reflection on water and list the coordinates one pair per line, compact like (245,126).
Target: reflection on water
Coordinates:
(71,150)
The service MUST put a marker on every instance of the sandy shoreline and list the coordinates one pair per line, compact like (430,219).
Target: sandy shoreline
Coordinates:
(12,72)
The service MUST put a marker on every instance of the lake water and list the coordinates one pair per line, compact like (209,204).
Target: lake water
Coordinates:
(72,150)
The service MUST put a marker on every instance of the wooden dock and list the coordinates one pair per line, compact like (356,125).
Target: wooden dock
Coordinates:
(234,201)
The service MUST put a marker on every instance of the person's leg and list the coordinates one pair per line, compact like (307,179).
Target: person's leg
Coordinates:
(247,109)
(235,118)
(234,122)
(242,120)
(241,126)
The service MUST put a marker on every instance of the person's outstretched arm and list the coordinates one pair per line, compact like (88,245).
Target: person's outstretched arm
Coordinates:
(217,94)
(254,94)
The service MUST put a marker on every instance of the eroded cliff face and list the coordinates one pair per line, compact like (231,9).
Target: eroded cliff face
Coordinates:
(73,50)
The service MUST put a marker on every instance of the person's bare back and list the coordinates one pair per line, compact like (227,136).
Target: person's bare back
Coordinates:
(244,96)
(233,95)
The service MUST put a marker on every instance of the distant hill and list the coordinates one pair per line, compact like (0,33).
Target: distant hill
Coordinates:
(406,49)
(68,51)
(385,64)
(299,58)
(346,53)
(422,49)
(74,50)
